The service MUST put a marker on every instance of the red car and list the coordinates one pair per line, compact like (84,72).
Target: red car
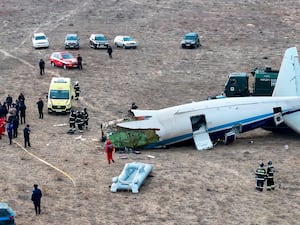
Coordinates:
(63,59)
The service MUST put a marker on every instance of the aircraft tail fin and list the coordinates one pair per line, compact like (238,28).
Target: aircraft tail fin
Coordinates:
(288,81)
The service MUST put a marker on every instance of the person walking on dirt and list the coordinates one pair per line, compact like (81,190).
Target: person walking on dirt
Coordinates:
(42,67)
(79,61)
(36,199)
(77,90)
(109,51)
(260,177)
(270,177)
(26,132)
(40,105)
(109,149)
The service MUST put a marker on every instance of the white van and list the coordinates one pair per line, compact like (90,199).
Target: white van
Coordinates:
(60,95)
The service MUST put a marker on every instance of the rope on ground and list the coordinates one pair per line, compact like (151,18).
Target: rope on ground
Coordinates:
(43,161)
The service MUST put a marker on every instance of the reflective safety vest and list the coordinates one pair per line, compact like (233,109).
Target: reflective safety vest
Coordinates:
(270,171)
(77,88)
(260,173)
(85,116)
(72,118)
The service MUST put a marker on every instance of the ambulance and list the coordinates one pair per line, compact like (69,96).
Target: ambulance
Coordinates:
(60,95)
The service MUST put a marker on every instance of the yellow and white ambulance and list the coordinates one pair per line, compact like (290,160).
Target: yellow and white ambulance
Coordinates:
(60,95)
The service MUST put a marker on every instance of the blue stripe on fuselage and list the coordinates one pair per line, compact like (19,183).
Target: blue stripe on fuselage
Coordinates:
(219,131)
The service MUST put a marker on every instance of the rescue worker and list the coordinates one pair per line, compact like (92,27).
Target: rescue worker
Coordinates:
(79,121)
(79,62)
(36,199)
(72,119)
(133,106)
(109,149)
(42,67)
(77,90)
(260,177)
(85,118)
(270,176)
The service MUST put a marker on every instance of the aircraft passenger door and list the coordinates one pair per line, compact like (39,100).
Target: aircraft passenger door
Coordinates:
(200,134)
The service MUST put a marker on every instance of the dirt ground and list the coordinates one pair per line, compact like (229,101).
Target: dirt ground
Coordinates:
(187,186)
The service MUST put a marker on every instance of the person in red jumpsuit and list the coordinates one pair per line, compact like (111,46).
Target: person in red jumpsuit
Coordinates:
(109,149)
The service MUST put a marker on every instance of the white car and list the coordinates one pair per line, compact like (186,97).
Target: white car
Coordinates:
(40,40)
(125,42)
(98,41)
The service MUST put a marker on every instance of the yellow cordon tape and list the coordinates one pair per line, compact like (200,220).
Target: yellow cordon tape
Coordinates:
(43,161)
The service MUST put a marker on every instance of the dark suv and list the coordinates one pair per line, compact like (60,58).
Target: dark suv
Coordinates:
(190,40)
(72,41)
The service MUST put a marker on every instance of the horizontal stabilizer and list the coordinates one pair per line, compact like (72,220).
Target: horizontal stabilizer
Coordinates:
(293,121)
(141,124)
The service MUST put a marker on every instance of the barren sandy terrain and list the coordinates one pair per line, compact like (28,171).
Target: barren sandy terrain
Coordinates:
(187,186)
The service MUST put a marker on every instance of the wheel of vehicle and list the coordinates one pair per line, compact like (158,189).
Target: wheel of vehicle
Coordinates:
(94,46)
(116,44)
(52,64)
(64,66)
(124,46)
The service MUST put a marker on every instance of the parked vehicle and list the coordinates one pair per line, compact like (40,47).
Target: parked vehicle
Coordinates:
(72,41)
(7,215)
(265,79)
(40,40)
(60,95)
(125,42)
(98,41)
(190,40)
(63,59)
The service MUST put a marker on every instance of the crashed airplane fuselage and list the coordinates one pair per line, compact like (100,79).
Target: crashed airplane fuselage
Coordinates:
(210,120)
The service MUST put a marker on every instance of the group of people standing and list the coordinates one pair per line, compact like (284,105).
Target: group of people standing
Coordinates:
(262,174)
(79,120)
(14,114)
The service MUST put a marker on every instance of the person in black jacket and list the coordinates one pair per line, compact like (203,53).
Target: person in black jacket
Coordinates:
(42,67)
(21,97)
(79,61)
(8,101)
(109,51)
(26,132)
(40,105)
(36,199)
(22,108)
(15,122)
